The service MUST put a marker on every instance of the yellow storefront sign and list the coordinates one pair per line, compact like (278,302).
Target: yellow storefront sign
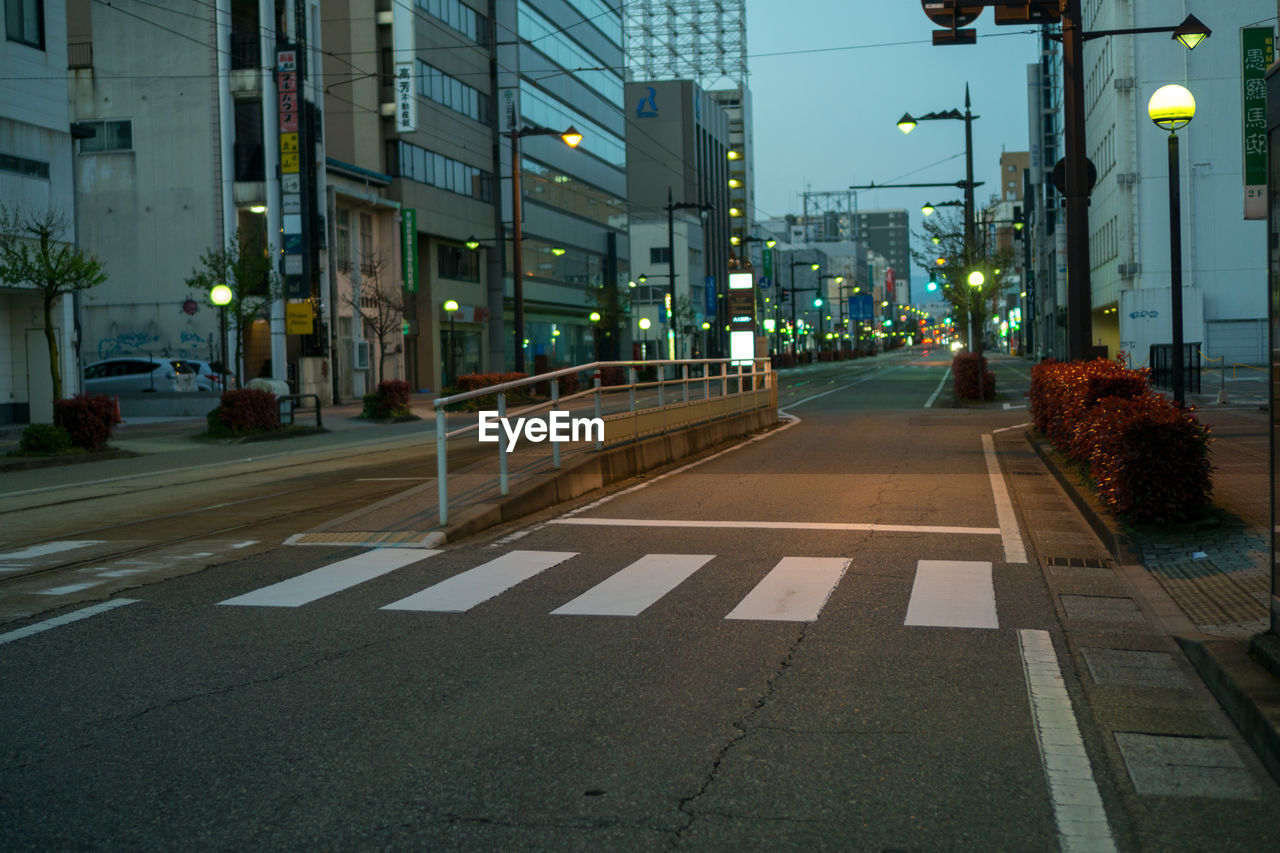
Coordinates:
(298,318)
(289,163)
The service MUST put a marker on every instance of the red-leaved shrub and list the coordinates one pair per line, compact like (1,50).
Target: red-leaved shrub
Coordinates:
(88,418)
(965,367)
(476,381)
(391,399)
(243,412)
(1148,458)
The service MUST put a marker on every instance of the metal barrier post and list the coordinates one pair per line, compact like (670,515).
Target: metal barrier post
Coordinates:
(504,484)
(442,467)
(555,406)
(634,376)
(599,412)
(684,374)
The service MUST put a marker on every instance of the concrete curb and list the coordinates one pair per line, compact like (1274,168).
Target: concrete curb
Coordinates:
(602,469)
(1246,689)
(1248,693)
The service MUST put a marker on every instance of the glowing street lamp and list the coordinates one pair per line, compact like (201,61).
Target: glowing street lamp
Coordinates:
(221,295)
(1173,107)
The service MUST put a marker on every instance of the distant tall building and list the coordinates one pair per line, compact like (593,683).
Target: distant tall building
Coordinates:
(704,41)
(888,233)
(676,146)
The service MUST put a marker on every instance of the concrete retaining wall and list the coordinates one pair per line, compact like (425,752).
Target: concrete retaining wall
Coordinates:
(609,466)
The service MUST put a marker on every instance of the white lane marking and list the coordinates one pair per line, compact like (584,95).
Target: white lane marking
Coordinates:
(329,579)
(637,587)
(794,591)
(44,550)
(953,594)
(1015,426)
(938,390)
(68,589)
(1014,550)
(65,619)
(1077,805)
(245,544)
(778,525)
(1008,407)
(462,592)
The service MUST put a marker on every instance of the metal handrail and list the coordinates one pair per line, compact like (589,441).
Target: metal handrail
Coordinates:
(756,369)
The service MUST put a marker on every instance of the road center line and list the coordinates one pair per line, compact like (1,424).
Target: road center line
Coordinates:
(938,390)
(778,525)
(1014,550)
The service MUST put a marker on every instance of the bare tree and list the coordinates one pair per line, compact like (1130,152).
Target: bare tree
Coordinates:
(381,304)
(245,267)
(32,253)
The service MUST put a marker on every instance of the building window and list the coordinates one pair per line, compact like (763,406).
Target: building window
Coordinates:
(343,249)
(367,260)
(24,22)
(419,164)
(458,263)
(660,255)
(110,136)
(23,166)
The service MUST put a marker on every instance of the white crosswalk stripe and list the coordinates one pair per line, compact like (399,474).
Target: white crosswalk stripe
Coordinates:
(952,594)
(945,593)
(332,578)
(794,591)
(462,592)
(636,587)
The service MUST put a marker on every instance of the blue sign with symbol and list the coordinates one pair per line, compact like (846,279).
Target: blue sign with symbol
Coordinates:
(711,295)
(861,307)
(765,282)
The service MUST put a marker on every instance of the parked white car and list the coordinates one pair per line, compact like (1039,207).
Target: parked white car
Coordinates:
(131,374)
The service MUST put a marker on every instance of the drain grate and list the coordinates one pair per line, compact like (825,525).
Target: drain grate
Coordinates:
(1078,562)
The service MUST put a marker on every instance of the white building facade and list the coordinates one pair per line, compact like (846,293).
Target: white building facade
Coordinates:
(1224,272)
(36,175)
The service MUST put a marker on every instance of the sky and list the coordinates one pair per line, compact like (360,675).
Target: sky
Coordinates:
(830,78)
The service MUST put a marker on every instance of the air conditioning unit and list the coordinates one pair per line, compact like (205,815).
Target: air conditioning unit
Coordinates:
(1128,270)
(360,355)
(1124,84)
(1127,178)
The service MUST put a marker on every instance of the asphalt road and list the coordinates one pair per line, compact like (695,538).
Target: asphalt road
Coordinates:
(836,636)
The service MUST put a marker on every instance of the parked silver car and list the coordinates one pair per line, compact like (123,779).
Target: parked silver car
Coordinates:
(133,373)
(207,375)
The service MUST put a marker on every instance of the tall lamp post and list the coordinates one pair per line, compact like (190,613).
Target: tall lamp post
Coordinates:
(822,302)
(571,138)
(221,295)
(450,308)
(672,207)
(644,341)
(1172,107)
(907,123)
(813,265)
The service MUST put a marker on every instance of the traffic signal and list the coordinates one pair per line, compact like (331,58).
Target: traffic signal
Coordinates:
(784,293)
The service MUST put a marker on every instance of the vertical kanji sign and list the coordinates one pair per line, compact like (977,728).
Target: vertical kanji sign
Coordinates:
(1257,51)
(406,101)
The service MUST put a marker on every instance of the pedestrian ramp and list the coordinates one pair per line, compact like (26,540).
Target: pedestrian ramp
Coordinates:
(944,594)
